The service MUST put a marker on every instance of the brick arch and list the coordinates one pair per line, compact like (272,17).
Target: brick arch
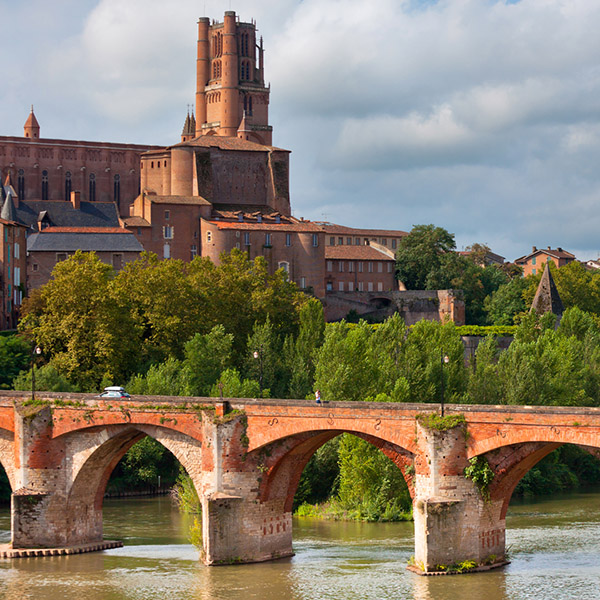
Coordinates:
(95,454)
(485,439)
(510,464)
(7,456)
(283,462)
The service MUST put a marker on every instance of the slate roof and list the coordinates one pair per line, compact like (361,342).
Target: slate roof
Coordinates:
(87,242)
(178,200)
(61,213)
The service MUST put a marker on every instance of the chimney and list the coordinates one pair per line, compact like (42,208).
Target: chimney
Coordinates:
(76,200)
(534,249)
(559,249)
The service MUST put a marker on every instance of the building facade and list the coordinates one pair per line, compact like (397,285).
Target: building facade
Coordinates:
(50,169)
(532,262)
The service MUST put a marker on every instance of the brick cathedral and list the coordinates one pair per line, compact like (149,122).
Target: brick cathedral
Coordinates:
(223,186)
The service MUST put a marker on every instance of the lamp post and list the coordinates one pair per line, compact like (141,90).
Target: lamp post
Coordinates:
(258,355)
(444,360)
(35,352)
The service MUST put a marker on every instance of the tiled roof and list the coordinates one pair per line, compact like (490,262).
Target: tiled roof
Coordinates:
(334,229)
(88,242)
(554,252)
(284,226)
(355,253)
(61,213)
(136,222)
(85,230)
(223,143)
(199,200)
(5,222)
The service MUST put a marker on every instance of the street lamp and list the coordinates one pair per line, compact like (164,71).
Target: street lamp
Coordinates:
(258,355)
(444,360)
(35,352)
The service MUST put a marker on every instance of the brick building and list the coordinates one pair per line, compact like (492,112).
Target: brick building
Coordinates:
(533,261)
(13,260)
(50,169)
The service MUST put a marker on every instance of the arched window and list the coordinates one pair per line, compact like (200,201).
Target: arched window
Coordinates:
(92,197)
(68,185)
(44,185)
(250,105)
(117,188)
(21,184)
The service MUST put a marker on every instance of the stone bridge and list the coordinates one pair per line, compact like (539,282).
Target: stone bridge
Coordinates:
(246,457)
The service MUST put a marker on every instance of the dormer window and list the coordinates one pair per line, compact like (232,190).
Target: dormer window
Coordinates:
(259,218)
(241,217)
(277,218)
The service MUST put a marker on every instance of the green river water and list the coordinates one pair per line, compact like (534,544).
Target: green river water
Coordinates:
(554,546)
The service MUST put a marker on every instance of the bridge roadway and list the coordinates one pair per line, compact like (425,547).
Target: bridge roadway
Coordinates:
(246,457)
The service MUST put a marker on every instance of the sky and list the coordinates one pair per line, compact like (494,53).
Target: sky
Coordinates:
(480,116)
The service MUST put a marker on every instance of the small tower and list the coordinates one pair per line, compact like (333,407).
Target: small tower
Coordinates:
(189,128)
(547,298)
(229,80)
(31,129)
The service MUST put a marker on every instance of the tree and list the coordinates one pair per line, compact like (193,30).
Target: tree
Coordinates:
(420,252)
(206,357)
(77,320)
(15,356)
(505,303)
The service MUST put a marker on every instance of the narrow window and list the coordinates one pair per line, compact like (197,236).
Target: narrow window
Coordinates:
(246,238)
(117,188)
(360,267)
(389,267)
(357,241)
(329,286)
(360,286)
(193,251)
(380,287)
(329,266)
(117,262)
(341,286)
(349,241)
(68,185)
(380,267)
(341,266)
(21,184)
(393,244)
(168,232)
(370,267)
(351,286)
(44,185)
(315,240)
(350,267)
(288,239)
(209,236)
(370,286)
(332,241)
(340,241)
(268,240)
(167,215)
(285,266)
(303,283)
(167,251)
(92,197)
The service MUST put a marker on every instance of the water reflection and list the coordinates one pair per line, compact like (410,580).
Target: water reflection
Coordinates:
(555,554)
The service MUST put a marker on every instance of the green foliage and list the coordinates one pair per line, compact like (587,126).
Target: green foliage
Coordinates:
(184,494)
(195,534)
(505,303)
(15,356)
(141,466)
(420,252)
(47,378)
(233,386)
(481,474)
(485,330)
(206,357)
(371,487)
(320,478)
(438,423)
(484,384)
(5,490)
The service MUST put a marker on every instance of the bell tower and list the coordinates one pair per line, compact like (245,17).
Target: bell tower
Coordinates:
(230,81)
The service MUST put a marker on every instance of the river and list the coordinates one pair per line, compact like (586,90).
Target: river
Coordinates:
(554,546)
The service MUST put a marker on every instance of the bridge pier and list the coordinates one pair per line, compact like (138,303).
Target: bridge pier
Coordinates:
(453,522)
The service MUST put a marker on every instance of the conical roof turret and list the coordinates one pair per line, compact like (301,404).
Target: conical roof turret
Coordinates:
(31,129)
(547,298)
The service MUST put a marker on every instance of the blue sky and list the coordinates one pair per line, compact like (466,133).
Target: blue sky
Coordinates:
(480,117)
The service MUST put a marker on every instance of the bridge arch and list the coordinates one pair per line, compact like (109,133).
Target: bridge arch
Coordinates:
(7,455)
(283,461)
(94,457)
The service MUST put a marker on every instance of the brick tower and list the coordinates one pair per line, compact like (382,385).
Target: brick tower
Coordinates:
(230,83)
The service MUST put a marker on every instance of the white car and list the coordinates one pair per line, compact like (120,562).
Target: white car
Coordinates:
(114,391)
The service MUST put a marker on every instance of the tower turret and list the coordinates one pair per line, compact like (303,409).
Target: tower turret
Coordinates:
(31,129)
(229,80)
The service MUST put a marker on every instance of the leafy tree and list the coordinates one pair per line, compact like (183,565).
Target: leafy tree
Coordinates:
(266,367)
(484,385)
(320,478)
(47,378)
(163,379)
(78,322)
(15,356)
(231,385)
(503,304)
(371,487)
(206,357)
(420,252)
